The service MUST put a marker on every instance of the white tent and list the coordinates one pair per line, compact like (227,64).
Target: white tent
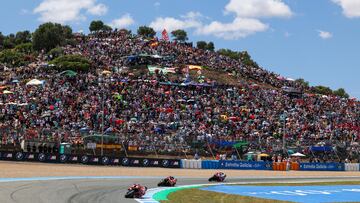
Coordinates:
(297,154)
(35,82)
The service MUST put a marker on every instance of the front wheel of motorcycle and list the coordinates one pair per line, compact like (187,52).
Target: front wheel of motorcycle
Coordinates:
(130,194)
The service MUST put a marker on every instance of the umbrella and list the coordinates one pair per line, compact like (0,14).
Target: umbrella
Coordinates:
(297,154)
(106,72)
(35,82)
(8,92)
(69,73)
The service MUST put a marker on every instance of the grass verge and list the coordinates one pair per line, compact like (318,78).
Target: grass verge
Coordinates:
(201,196)
(196,195)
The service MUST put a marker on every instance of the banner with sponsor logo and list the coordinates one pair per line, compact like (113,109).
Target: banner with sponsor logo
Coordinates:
(90,159)
(245,165)
(322,167)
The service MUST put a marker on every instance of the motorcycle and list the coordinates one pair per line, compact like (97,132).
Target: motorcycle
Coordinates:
(167,183)
(135,192)
(217,178)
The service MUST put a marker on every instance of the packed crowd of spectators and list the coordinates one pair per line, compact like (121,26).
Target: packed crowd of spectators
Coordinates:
(145,112)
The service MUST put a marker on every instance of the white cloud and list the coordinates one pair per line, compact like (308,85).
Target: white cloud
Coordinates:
(324,34)
(123,22)
(98,10)
(24,11)
(246,21)
(258,8)
(63,11)
(351,8)
(190,20)
(239,28)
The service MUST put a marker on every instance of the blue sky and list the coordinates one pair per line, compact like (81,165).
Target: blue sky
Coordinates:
(317,40)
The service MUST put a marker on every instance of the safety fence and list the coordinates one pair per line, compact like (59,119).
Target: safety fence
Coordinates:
(263,165)
(90,160)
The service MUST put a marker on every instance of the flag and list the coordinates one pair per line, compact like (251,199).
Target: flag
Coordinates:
(165,35)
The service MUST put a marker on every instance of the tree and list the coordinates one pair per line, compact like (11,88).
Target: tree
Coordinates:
(302,82)
(179,35)
(2,38)
(322,90)
(229,53)
(201,45)
(71,62)
(55,52)
(246,59)
(9,41)
(50,35)
(341,93)
(22,37)
(25,48)
(210,46)
(145,31)
(98,25)
(12,58)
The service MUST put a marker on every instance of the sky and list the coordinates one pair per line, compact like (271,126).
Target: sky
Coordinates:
(317,40)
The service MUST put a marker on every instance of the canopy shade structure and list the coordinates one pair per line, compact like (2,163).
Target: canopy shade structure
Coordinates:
(35,82)
(297,154)
(8,92)
(69,73)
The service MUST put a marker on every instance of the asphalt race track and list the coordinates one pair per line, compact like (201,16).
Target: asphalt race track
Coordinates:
(105,190)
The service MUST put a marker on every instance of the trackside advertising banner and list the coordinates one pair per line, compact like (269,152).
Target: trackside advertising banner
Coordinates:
(90,160)
(322,166)
(245,165)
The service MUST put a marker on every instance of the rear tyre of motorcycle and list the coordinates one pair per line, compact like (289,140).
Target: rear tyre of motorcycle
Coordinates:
(130,194)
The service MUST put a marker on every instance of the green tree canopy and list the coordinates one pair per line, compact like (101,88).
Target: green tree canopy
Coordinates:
(25,48)
(71,62)
(22,37)
(302,82)
(322,90)
(201,45)
(210,46)
(246,59)
(180,35)
(55,52)
(145,31)
(51,35)
(229,53)
(341,93)
(98,25)
(205,46)
(9,42)
(13,58)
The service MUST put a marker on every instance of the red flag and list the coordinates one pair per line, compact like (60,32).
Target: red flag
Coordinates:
(165,35)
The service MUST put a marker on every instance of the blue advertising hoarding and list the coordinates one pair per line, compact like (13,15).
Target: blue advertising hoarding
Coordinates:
(322,167)
(245,165)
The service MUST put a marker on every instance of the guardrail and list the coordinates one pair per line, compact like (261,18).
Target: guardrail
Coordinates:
(90,160)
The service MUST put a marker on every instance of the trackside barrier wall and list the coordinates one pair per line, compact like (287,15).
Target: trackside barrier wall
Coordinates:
(90,160)
(191,163)
(322,167)
(352,167)
(210,164)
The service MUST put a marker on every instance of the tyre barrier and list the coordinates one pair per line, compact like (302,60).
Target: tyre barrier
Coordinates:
(90,159)
(352,167)
(191,163)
